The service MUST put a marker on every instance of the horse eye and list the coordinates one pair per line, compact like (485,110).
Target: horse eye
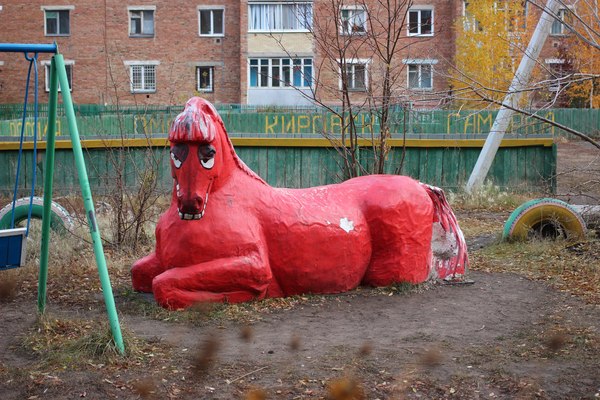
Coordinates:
(206,152)
(206,155)
(179,153)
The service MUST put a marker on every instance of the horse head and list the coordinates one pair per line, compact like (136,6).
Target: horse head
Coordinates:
(197,156)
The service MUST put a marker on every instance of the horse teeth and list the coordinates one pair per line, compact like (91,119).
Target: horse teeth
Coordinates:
(180,215)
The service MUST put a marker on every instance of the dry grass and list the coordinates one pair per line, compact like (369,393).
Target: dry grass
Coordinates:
(488,198)
(572,268)
(71,343)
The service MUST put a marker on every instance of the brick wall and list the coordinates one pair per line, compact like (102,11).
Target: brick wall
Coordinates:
(99,44)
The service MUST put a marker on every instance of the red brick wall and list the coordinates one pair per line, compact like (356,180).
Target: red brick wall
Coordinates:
(438,47)
(99,44)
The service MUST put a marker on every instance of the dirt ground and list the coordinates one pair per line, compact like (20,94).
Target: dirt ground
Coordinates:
(504,336)
(578,173)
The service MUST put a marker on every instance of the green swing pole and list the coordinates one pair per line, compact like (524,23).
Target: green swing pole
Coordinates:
(48,179)
(89,204)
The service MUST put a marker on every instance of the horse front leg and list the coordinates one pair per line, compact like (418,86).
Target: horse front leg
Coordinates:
(144,271)
(233,279)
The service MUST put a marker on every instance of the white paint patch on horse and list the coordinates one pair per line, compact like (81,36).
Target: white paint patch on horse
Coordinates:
(346,224)
(443,244)
(203,125)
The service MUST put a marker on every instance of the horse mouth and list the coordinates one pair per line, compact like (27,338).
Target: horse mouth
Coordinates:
(187,216)
(194,215)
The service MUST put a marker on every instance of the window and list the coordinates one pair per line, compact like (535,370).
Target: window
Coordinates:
(557,70)
(353,21)
(280,16)
(142,75)
(57,20)
(469,21)
(558,25)
(420,22)
(211,21)
(420,73)
(204,79)
(280,72)
(356,75)
(141,22)
(68,67)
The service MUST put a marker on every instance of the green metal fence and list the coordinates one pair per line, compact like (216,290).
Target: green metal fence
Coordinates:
(520,167)
(244,121)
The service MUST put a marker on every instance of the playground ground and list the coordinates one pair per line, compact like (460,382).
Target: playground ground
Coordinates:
(528,327)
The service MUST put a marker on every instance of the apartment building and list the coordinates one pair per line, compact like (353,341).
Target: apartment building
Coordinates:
(268,52)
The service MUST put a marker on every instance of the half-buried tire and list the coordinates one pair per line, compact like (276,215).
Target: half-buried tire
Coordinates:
(60,220)
(544,218)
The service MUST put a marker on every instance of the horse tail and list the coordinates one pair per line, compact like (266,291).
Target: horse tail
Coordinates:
(449,249)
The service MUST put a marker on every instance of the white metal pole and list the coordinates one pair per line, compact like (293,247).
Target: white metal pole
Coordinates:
(519,82)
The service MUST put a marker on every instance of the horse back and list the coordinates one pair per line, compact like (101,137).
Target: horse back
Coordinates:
(325,239)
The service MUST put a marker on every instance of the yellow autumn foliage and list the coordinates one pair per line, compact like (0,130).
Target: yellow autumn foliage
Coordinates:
(490,41)
(585,57)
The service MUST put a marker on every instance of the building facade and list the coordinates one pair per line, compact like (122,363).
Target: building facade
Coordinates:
(267,52)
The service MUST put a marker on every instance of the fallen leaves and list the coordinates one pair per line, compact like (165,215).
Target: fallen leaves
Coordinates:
(8,286)
(570,268)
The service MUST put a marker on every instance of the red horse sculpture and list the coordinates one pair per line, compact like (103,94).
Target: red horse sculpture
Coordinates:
(229,236)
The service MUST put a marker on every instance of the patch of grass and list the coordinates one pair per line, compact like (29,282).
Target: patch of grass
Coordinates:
(205,313)
(475,226)
(9,285)
(558,262)
(489,197)
(402,288)
(72,343)
(209,313)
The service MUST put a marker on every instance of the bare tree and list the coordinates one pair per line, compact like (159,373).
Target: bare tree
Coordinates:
(387,23)
(358,72)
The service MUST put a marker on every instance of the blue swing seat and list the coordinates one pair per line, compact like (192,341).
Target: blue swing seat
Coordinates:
(12,248)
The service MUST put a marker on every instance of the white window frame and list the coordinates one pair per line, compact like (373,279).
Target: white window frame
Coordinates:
(143,64)
(420,10)
(280,5)
(420,62)
(470,23)
(344,30)
(554,61)
(46,65)
(132,9)
(564,30)
(211,71)
(282,63)
(212,23)
(63,8)
(353,62)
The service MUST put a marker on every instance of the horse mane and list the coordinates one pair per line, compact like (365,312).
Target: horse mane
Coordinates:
(196,123)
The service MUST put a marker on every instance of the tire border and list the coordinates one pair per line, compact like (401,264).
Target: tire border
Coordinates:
(570,220)
(60,219)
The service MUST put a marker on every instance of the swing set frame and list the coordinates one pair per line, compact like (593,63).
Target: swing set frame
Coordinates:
(58,74)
